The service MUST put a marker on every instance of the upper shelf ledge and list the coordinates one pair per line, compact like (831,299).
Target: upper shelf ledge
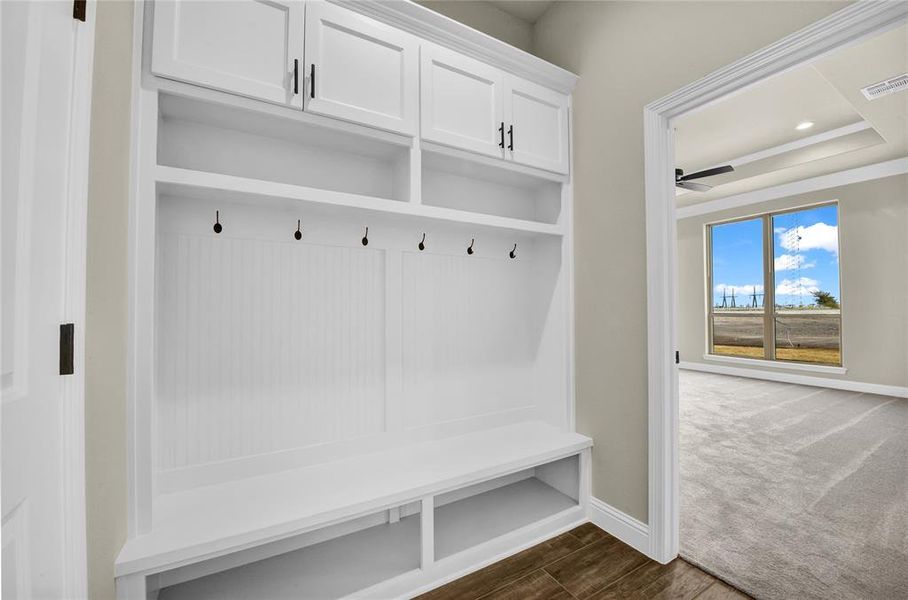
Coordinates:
(203,184)
(429,25)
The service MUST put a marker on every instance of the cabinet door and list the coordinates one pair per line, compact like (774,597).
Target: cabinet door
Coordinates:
(461,101)
(539,118)
(246,47)
(361,70)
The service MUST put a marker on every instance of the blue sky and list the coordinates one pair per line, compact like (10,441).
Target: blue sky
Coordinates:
(805,254)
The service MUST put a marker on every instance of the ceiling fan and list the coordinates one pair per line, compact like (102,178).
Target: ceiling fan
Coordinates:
(684,181)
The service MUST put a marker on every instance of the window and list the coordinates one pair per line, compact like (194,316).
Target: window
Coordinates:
(737,267)
(774,282)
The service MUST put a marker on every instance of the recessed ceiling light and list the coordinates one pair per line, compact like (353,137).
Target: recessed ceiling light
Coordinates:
(804,125)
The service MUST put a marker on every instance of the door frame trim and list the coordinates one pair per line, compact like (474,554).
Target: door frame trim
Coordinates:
(75,554)
(844,27)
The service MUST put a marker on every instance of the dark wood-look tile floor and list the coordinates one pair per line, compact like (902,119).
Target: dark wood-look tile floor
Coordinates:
(585,563)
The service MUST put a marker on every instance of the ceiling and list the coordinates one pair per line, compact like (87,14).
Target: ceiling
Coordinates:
(754,130)
(526,10)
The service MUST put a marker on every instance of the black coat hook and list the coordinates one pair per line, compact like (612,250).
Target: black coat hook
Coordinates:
(422,244)
(470,247)
(366,238)
(298,234)
(513,253)
(217,222)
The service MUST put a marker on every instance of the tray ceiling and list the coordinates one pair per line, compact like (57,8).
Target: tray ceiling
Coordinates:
(755,130)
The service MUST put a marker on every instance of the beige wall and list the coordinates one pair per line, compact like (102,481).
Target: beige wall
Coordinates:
(105,337)
(873,234)
(628,54)
(487,19)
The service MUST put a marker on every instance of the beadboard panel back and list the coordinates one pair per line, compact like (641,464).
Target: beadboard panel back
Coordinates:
(266,346)
(273,352)
(469,335)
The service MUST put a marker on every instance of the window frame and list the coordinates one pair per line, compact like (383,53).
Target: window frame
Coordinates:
(769,276)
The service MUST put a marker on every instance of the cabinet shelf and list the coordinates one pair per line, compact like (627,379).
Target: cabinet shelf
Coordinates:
(206,185)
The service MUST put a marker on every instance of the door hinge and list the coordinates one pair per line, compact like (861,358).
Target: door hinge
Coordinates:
(79,9)
(677,357)
(67,341)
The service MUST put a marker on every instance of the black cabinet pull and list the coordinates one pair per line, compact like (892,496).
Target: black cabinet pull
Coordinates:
(312,78)
(501,133)
(511,138)
(296,76)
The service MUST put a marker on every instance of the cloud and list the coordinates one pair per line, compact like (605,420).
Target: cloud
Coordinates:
(804,286)
(779,230)
(739,290)
(818,236)
(787,262)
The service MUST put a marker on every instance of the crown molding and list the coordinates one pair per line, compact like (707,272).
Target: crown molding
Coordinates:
(427,24)
(842,28)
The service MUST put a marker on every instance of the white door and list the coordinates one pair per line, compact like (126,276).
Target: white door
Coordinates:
(46,96)
(536,126)
(249,47)
(461,101)
(361,70)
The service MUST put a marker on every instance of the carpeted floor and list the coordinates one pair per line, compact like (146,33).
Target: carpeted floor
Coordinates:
(794,492)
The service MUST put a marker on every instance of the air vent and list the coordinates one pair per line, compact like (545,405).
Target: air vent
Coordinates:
(884,88)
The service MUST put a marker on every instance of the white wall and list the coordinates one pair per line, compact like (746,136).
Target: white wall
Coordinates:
(628,54)
(873,237)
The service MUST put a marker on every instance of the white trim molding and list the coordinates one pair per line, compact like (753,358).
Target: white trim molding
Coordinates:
(889,168)
(849,25)
(775,364)
(75,551)
(430,25)
(825,382)
(621,525)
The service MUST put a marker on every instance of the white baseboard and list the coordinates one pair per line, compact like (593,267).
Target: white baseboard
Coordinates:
(624,527)
(826,382)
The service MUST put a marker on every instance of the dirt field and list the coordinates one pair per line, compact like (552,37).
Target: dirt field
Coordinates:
(804,336)
(826,356)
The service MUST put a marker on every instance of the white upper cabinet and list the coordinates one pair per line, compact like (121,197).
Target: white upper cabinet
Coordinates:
(461,101)
(248,47)
(476,107)
(361,70)
(536,126)
(342,64)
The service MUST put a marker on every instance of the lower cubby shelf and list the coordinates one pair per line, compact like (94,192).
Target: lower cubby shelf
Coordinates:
(331,569)
(354,527)
(469,522)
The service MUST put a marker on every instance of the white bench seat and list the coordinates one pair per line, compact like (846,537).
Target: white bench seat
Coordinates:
(207,522)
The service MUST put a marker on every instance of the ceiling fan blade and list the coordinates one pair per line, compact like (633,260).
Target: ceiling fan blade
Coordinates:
(693,186)
(708,173)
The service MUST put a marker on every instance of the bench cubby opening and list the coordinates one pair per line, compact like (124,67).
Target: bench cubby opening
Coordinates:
(332,562)
(468,517)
